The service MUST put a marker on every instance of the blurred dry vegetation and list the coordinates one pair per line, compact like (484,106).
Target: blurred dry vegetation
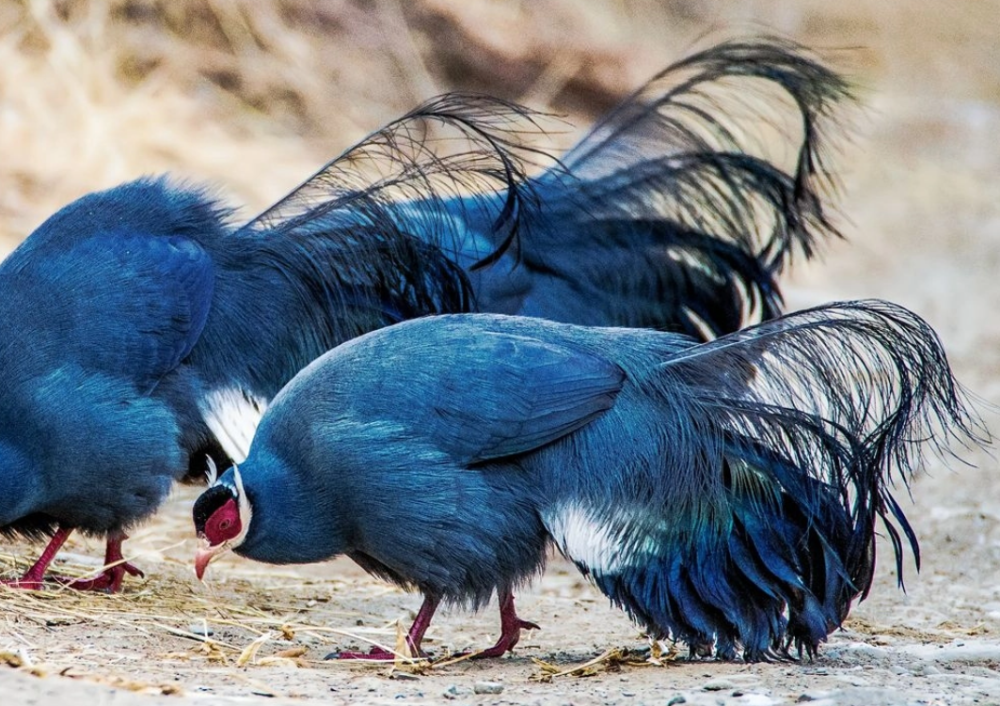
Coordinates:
(253,95)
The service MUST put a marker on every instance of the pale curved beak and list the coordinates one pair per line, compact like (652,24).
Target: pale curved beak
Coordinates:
(205,554)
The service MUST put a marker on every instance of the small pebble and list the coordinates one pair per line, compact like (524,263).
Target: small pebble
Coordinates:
(368,684)
(628,694)
(403,676)
(488,687)
(201,629)
(718,685)
(677,700)
(451,692)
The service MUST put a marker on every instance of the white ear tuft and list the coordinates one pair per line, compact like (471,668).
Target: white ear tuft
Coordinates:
(212,474)
(243,502)
(239,480)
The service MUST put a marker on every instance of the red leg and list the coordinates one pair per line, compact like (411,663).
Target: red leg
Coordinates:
(510,628)
(115,568)
(413,638)
(32,578)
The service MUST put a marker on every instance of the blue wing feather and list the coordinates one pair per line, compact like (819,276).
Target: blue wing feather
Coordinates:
(82,311)
(530,394)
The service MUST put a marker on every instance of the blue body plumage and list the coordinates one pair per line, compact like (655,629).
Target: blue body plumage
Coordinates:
(142,330)
(725,493)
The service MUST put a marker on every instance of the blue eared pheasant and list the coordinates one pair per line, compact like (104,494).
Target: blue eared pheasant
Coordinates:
(721,493)
(143,329)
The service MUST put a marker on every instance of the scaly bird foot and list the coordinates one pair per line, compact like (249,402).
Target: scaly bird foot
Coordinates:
(26,583)
(377,654)
(109,580)
(508,640)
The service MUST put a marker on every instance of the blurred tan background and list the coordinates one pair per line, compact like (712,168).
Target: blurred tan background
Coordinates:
(253,95)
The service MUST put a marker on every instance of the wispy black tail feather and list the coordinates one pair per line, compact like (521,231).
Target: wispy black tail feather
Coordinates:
(687,180)
(760,527)
(390,230)
(676,211)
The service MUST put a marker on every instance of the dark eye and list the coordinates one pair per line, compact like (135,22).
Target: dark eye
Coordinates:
(225,524)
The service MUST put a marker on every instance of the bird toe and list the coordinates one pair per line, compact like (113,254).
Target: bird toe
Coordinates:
(110,580)
(376,654)
(133,570)
(22,584)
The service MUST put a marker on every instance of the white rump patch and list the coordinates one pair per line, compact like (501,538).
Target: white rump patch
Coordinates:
(233,416)
(581,538)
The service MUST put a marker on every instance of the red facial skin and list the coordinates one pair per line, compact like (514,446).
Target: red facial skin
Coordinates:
(223,526)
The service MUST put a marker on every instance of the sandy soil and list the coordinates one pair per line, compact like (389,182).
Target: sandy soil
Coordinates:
(938,643)
(924,230)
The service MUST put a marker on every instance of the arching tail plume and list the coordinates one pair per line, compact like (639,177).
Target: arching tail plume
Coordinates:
(756,530)
(679,209)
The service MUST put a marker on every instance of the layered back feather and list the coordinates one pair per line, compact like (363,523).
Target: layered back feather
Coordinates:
(344,253)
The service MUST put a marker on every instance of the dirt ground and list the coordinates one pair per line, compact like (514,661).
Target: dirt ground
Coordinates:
(922,217)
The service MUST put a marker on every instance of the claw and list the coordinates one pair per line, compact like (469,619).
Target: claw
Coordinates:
(24,583)
(33,577)
(413,638)
(109,580)
(510,630)
(376,654)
